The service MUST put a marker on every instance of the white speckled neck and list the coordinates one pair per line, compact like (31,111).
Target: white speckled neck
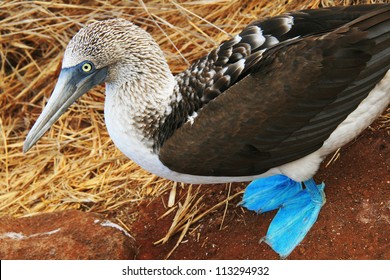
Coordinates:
(132,119)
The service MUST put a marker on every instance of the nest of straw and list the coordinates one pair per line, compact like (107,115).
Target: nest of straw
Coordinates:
(75,165)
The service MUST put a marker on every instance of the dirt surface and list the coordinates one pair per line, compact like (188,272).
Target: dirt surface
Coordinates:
(353,224)
(63,235)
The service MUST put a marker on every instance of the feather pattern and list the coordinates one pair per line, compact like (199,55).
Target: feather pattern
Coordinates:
(299,85)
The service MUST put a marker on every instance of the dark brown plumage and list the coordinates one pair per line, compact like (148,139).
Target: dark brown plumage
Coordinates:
(288,100)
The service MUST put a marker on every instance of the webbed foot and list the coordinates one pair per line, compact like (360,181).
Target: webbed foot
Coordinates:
(298,209)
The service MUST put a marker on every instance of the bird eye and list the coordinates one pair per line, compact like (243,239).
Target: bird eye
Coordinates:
(87,67)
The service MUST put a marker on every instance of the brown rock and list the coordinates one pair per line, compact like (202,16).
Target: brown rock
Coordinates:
(64,235)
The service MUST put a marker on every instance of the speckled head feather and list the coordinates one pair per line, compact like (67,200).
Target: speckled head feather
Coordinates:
(107,43)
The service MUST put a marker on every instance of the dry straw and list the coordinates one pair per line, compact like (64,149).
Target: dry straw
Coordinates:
(75,165)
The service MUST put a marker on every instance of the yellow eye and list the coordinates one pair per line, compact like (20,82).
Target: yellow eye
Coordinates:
(87,67)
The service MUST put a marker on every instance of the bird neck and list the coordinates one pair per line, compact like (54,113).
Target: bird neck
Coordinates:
(145,103)
(141,101)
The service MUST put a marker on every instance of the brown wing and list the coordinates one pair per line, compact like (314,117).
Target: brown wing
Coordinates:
(287,106)
(212,74)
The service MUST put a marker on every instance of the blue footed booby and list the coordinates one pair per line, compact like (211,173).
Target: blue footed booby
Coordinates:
(267,105)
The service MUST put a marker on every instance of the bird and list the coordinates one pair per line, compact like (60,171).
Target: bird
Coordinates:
(266,105)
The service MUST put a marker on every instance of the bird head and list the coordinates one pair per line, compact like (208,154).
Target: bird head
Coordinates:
(95,55)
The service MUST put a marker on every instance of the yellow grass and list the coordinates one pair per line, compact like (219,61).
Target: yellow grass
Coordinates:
(75,165)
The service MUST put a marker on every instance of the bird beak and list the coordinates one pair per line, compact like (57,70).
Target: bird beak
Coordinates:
(70,86)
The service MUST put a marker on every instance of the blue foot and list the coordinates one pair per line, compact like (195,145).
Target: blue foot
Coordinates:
(298,211)
(266,194)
